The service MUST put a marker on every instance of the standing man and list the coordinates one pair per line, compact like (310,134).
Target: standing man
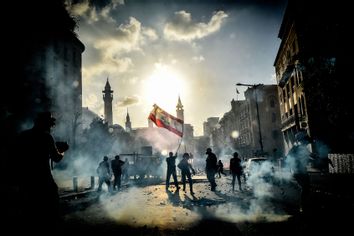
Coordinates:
(236,170)
(211,167)
(116,166)
(125,170)
(186,169)
(298,158)
(39,198)
(104,174)
(171,170)
(220,168)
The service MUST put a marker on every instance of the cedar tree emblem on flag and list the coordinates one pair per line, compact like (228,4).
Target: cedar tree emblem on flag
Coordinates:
(162,119)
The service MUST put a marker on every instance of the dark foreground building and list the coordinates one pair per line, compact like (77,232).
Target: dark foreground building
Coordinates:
(313,70)
(41,71)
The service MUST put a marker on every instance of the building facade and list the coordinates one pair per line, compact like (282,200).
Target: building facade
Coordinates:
(264,114)
(311,67)
(252,126)
(210,125)
(53,82)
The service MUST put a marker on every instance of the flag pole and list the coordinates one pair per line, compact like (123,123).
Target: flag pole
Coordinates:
(179,145)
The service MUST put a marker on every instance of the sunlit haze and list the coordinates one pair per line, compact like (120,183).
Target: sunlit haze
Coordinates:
(154,51)
(163,87)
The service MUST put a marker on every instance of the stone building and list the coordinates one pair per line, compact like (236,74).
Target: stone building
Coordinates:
(209,125)
(252,126)
(312,67)
(44,65)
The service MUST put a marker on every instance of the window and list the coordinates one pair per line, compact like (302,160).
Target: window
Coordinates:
(272,102)
(292,84)
(300,106)
(303,105)
(288,90)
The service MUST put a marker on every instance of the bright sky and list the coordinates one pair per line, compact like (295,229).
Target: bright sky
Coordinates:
(156,50)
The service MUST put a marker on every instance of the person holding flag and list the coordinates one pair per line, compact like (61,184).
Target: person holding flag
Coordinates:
(171,170)
(165,120)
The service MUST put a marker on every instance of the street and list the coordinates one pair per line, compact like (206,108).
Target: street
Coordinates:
(151,210)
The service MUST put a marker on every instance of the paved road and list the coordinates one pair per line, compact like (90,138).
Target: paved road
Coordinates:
(148,208)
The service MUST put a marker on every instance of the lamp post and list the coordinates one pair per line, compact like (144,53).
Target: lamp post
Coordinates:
(257,110)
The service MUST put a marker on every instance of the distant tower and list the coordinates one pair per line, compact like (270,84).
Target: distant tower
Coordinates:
(107,98)
(179,109)
(128,124)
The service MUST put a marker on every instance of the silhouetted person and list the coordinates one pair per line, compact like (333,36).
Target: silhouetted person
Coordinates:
(299,158)
(125,170)
(39,196)
(186,167)
(116,166)
(320,152)
(236,170)
(171,170)
(211,167)
(220,168)
(104,174)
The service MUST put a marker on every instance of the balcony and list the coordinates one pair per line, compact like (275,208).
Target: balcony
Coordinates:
(286,75)
(288,122)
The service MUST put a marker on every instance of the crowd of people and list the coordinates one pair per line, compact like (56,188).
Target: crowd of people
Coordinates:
(213,168)
(111,172)
(45,201)
(106,170)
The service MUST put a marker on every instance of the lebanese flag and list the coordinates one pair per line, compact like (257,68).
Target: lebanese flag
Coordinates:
(162,119)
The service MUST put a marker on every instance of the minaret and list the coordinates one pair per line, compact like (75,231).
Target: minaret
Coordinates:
(128,124)
(179,109)
(107,98)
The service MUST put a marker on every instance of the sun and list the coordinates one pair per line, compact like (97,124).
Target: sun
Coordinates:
(163,87)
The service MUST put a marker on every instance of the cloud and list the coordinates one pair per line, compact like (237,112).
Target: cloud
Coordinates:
(124,39)
(109,66)
(129,100)
(115,3)
(182,27)
(81,7)
(198,59)
(150,33)
(78,9)
(107,50)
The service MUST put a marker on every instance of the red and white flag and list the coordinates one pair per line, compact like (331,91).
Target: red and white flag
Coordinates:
(162,119)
